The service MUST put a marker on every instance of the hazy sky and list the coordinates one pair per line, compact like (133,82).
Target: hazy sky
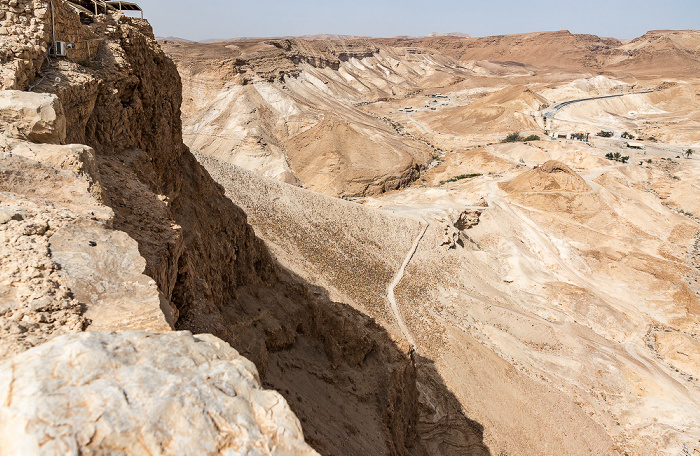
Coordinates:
(207,19)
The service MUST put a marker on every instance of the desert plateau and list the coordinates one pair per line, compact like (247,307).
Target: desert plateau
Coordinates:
(343,245)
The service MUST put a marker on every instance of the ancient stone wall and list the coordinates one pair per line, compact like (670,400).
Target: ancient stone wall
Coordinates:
(27,31)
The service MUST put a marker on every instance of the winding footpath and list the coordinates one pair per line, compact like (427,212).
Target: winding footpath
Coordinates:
(397,279)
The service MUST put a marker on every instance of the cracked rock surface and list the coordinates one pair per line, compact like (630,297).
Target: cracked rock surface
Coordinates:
(141,393)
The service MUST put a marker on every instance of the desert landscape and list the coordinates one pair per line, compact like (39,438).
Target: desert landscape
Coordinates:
(346,245)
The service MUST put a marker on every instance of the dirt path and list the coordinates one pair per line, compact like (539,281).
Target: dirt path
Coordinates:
(397,279)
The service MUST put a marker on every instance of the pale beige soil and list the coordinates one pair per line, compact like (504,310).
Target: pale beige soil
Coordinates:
(567,320)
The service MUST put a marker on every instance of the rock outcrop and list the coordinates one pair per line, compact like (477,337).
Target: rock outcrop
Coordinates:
(467,219)
(36,117)
(141,393)
(552,176)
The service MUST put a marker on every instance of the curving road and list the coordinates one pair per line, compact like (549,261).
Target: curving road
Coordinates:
(551,112)
(397,279)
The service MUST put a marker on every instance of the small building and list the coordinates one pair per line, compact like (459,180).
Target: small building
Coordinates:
(635,145)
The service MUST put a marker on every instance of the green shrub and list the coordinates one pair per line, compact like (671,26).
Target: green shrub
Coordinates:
(532,138)
(605,134)
(513,137)
(617,156)
(460,177)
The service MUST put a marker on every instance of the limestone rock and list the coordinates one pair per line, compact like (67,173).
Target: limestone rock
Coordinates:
(105,270)
(140,393)
(35,301)
(450,237)
(11,213)
(72,157)
(467,219)
(36,117)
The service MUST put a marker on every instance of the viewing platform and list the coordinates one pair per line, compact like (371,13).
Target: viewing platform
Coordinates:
(104,6)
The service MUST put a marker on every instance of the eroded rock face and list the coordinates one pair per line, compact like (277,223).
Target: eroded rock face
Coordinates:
(136,176)
(467,219)
(36,117)
(141,394)
(63,267)
(281,108)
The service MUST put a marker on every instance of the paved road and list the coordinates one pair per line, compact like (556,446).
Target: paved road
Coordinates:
(551,112)
(397,278)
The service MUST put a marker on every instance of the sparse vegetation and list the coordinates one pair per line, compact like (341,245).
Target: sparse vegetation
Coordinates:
(460,177)
(626,135)
(513,137)
(605,134)
(617,156)
(688,153)
(579,136)
(517,137)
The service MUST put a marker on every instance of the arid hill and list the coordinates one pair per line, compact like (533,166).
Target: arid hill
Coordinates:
(163,268)
(549,283)
(656,53)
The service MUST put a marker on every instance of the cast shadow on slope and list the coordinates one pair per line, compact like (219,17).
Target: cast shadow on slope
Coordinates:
(355,390)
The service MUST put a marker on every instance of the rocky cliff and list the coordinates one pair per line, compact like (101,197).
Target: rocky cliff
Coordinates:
(128,231)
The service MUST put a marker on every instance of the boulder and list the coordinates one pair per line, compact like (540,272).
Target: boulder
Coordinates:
(35,117)
(141,393)
(467,219)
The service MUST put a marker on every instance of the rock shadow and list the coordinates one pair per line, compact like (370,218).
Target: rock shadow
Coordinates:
(354,388)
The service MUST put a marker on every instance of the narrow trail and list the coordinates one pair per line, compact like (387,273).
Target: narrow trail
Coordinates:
(397,279)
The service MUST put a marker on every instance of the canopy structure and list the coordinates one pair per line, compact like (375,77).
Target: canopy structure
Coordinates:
(103,6)
(125,6)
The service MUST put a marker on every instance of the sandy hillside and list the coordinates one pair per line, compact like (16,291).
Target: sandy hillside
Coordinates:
(552,289)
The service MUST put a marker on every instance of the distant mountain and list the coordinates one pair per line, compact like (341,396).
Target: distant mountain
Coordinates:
(329,37)
(455,34)
(174,38)
(656,52)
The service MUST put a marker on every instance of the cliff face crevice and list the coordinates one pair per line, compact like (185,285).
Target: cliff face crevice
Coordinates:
(352,387)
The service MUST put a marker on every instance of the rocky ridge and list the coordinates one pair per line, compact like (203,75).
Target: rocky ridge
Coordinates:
(132,204)
(265,105)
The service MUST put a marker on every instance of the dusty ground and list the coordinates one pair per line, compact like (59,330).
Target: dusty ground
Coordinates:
(567,320)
